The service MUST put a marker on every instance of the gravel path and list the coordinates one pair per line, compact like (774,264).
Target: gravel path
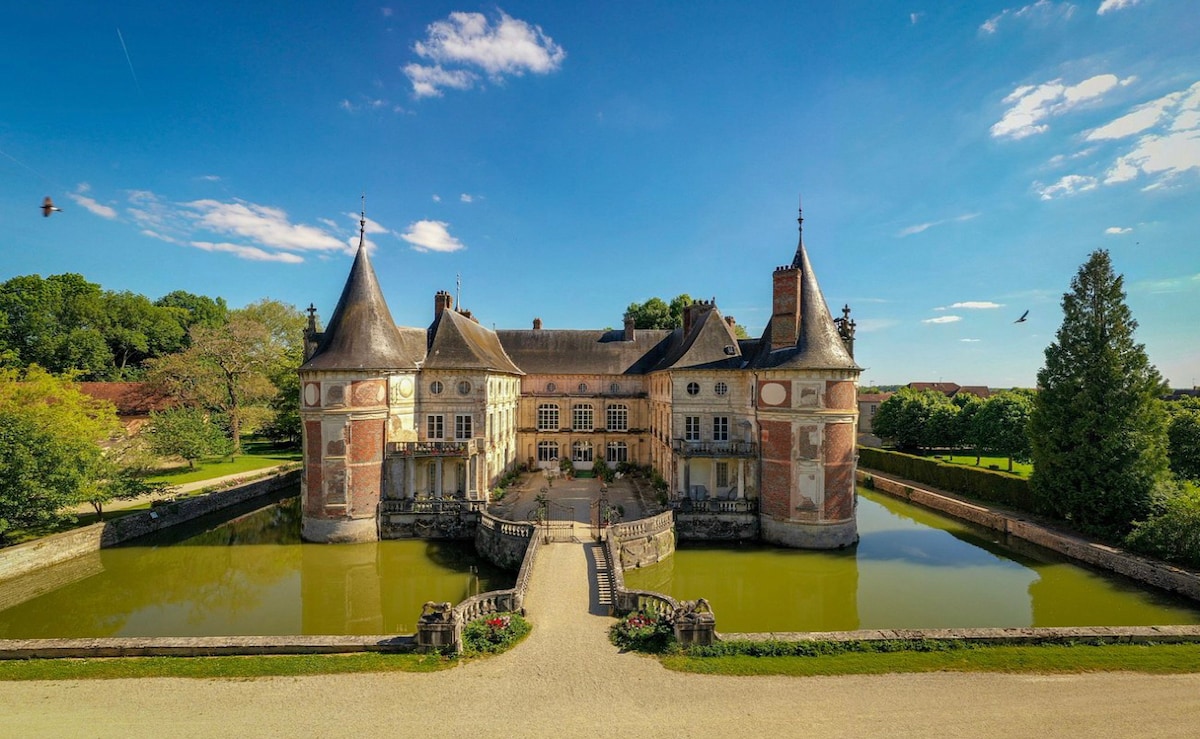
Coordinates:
(566,680)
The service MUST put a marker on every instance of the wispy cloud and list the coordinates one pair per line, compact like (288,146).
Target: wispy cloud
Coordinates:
(90,204)
(1110,5)
(943,319)
(868,325)
(970,341)
(1168,284)
(467,197)
(1117,230)
(253,253)
(914,18)
(1170,150)
(918,228)
(466,42)
(973,305)
(1042,13)
(1068,185)
(437,198)
(1031,105)
(431,236)
(262,224)
(367,104)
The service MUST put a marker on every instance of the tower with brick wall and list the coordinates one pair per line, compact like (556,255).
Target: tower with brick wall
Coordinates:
(357,393)
(805,385)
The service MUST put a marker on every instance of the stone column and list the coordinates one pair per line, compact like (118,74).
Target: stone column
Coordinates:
(437,479)
(410,477)
(741,480)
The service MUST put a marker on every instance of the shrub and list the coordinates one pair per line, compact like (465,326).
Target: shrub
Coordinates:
(984,485)
(1173,534)
(642,632)
(494,633)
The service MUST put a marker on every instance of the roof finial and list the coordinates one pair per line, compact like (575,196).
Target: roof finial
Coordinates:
(798,260)
(800,217)
(362,222)
(458,290)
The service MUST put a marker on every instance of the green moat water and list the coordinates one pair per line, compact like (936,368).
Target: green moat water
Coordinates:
(250,576)
(911,569)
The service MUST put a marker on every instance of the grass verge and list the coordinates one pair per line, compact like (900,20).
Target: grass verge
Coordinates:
(1158,659)
(234,668)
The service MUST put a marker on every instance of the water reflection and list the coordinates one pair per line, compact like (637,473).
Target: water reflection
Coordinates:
(251,576)
(911,569)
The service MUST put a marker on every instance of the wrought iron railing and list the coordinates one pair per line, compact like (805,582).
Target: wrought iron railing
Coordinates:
(435,448)
(714,448)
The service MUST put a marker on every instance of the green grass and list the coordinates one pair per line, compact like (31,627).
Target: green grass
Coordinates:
(237,668)
(1161,659)
(256,455)
(1019,469)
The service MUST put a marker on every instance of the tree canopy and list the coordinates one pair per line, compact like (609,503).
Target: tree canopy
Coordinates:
(1099,439)
(655,313)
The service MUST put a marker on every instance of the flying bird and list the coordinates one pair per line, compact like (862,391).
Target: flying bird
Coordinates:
(1022,318)
(49,207)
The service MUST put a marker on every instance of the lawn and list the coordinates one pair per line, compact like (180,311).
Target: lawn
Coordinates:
(218,667)
(256,455)
(1000,463)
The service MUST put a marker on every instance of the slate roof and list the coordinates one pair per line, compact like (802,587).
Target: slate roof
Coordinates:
(361,334)
(457,342)
(572,352)
(709,345)
(818,344)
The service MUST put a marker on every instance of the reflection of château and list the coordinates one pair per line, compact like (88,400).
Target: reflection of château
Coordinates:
(396,417)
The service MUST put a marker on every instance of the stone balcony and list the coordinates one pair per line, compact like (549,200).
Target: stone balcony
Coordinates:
(463,448)
(714,448)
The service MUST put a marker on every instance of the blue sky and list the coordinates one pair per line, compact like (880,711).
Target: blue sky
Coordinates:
(957,162)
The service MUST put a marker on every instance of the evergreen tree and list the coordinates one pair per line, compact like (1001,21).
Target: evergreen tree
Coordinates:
(1098,433)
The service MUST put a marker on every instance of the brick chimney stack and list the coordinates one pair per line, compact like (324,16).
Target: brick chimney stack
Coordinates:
(785,307)
(537,324)
(442,301)
(630,330)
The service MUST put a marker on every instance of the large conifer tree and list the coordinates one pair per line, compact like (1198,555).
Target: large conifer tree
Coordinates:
(1098,435)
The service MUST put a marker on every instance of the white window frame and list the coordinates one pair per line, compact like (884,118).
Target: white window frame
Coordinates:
(617,452)
(691,428)
(435,426)
(720,428)
(581,451)
(582,418)
(547,451)
(547,417)
(617,418)
(463,426)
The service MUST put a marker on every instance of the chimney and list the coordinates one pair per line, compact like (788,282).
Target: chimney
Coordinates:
(732,324)
(537,324)
(785,307)
(442,301)
(694,312)
(630,331)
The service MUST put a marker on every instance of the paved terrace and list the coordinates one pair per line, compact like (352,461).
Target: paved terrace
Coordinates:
(566,680)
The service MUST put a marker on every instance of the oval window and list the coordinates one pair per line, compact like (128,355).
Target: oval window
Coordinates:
(436,387)
(464,387)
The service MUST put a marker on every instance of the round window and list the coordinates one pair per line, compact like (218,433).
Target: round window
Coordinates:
(614,388)
(721,388)
(551,387)
(436,387)
(464,387)
(693,388)
(583,387)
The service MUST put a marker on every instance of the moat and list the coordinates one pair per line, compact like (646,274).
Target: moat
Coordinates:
(252,576)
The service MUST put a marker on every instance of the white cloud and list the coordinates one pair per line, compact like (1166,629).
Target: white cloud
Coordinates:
(1168,285)
(970,341)
(90,204)
(918,228)
(431,236)
(974,305)
(1110,5)
(914,17)
(943,319)
(252,253)
(437,198)
(1042,13)
(1031,105)
(868,325)
(1173,107)
(466,198)
(263,224)
(1117,230)
(1169,143)
(1164,156)
(1068,185)
(466,41)
(210,177)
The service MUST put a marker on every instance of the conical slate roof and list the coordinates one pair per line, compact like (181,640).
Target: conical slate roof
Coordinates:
(361,334)
(818,344)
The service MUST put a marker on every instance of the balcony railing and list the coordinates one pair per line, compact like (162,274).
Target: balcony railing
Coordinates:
(715,505)
(435,448)
(431,505)
(714,448)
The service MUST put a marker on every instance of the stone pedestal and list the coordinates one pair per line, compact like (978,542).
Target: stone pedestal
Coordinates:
(438,629)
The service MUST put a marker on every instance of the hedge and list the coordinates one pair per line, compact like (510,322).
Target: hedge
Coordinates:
(972,482)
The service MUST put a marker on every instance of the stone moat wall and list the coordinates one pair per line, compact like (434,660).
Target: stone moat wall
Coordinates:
(1025,529)
(645,541)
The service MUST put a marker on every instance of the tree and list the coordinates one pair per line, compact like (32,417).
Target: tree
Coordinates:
(196,309)
(1001,426)
(55,323)
(51,436)
(1183,438)
(1098,432)
(905,418)
(652,314)
(188,433)
(137,329)
(968,407)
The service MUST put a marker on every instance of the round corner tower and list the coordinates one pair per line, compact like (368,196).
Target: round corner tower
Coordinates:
(356,392)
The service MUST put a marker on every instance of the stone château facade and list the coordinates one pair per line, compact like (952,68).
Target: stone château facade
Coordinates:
(398,418)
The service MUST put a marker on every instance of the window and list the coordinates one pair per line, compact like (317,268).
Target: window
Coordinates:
(720,428)
(547,451)
(436,387)
(618,418)
(720,388)
(722,475)
(691,428)
(583,388)
(581,418)
(547,418)
(617,452)
(434,428)
(693,388)
(614,388)
(462,427)
(464,387)
(551,387)
(581,451)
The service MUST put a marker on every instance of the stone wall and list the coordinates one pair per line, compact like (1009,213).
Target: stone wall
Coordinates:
(716,526)
(645,541)
(25,558)
(503,543)
(1025,528)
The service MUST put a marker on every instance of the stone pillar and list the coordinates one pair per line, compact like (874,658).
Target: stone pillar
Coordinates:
(410,477)
(437,479)
(741,480)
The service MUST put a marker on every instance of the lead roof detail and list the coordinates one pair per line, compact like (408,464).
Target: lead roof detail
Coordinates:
(361,334)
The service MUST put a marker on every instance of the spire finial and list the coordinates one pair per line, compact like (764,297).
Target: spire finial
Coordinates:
(362,221)
(800,215)
(798,260)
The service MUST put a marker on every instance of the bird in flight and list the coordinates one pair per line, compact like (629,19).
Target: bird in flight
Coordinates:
(1022,318)
(49,207)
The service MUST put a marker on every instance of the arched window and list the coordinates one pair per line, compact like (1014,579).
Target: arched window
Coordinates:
(547,451)
(581,451)
(617,452)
